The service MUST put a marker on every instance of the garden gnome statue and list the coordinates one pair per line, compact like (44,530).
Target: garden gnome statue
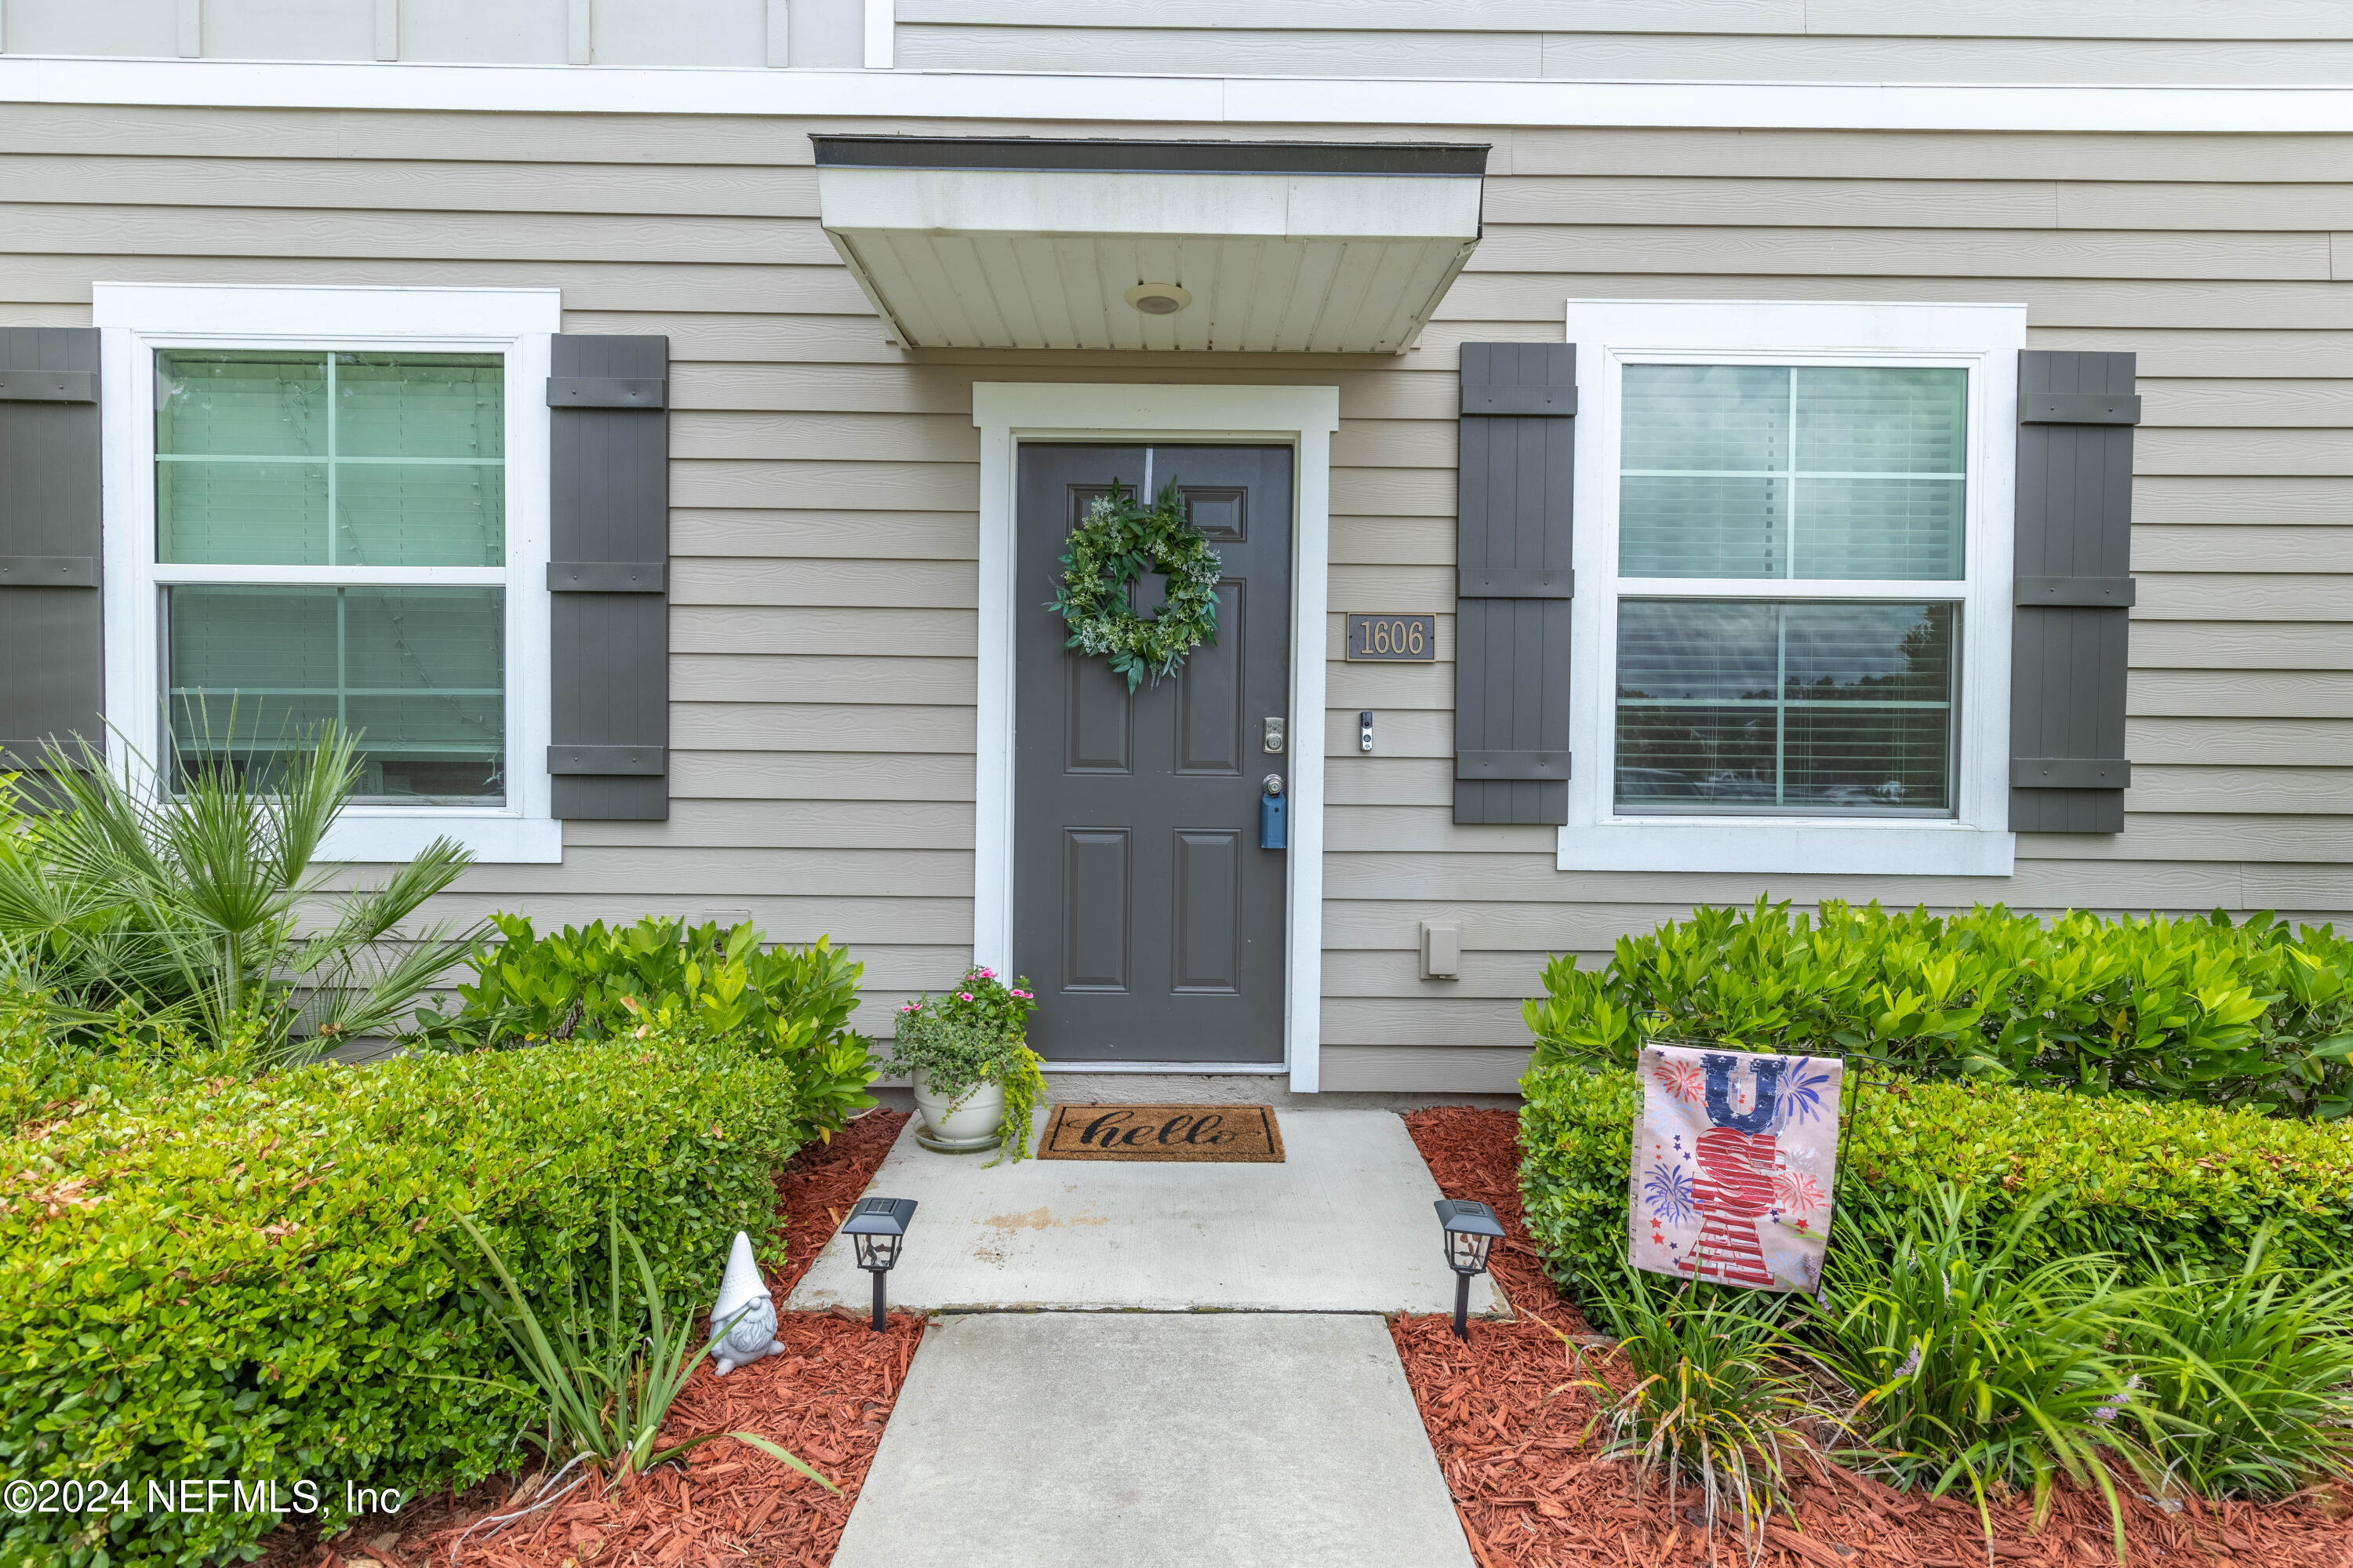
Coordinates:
(753,1334)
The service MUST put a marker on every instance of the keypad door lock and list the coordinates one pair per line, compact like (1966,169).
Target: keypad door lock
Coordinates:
(1272,732)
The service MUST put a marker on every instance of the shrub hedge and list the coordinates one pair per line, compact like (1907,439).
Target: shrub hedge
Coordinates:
(213,1275)
(2202,1009)
(2192,1182)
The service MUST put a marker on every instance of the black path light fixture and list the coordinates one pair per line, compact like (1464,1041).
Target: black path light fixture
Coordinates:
(875,1227)
(1472,1229)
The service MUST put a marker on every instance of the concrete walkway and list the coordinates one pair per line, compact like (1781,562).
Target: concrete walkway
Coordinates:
(1343,1225)
(1060,1440)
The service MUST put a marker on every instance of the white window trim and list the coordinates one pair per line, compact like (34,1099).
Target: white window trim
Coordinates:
(1303,417)
(1986,340)
(136,319)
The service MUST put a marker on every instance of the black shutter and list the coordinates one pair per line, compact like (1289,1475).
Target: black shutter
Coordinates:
(52,633)
(1513,582)
(608,573)
(2068,647)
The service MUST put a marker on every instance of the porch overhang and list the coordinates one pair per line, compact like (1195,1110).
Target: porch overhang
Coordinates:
(1261,246)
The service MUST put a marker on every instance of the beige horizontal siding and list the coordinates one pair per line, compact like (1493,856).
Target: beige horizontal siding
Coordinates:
(825,531)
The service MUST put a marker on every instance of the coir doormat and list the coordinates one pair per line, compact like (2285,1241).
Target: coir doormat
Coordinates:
(1234,1133)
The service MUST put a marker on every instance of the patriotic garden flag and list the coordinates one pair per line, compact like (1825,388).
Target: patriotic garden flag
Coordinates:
(1733,1165)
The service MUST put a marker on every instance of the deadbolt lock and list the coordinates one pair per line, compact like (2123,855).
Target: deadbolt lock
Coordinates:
(1273,728)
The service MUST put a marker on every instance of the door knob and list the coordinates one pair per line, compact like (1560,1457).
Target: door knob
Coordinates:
(1273,784)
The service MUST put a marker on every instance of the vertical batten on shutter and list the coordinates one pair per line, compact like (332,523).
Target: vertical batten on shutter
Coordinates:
(608,437)
(52,631)
(2072,617)
(1514,583)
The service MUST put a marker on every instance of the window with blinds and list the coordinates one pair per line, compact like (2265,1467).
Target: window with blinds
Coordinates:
(331,539)
(1790,566)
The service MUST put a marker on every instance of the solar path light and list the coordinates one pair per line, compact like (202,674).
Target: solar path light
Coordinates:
(875,1227)
(1471,1230)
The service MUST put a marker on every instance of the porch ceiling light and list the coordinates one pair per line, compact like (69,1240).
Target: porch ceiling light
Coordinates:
(1040,243)
(1159,299)
(1470,1231)
(876,1227)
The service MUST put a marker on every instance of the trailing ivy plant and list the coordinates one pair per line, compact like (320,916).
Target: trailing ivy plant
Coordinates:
(972,1035)
(1119,541)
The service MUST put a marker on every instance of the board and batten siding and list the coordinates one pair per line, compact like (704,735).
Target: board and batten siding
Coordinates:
(824,487)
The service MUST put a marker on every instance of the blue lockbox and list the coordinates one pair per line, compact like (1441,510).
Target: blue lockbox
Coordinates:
(1273,821)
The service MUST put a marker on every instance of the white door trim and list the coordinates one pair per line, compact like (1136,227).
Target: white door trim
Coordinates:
(1302,417)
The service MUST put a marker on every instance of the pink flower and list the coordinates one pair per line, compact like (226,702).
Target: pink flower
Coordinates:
(964,995)
(986,974)
(1023,994)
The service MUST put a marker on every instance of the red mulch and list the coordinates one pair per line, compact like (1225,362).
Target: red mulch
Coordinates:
(1508,1429)
(826,1398)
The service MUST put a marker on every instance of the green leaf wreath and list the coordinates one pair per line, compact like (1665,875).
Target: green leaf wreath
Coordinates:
(1120,540)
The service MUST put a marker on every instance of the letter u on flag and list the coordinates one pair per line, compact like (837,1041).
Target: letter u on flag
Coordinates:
(1733,1164)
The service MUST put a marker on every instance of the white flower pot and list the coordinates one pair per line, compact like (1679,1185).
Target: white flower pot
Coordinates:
(971,1123)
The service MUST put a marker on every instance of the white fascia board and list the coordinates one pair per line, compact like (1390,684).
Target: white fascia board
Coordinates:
(1076,202)
(1179,99)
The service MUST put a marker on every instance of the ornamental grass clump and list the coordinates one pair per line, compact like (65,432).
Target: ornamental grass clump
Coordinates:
(1968,1366)
(2251,1372)
(609,1372)
(1710,1403)
(972,1035)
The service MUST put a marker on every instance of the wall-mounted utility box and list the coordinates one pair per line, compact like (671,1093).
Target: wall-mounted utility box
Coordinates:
(1441,951)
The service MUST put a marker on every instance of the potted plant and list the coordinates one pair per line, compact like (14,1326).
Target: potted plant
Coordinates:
(977,1081)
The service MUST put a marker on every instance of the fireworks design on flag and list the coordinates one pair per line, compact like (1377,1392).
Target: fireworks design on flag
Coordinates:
(1797,1192)
(1802,1097)
(1679,1079)
(1667,1191)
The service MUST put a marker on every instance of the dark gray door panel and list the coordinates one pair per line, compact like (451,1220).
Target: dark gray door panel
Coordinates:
(1144,913)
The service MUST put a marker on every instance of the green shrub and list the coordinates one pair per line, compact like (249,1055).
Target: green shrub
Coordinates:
(2139,1178)
(216,1275)
(2198,1010)
(611,982)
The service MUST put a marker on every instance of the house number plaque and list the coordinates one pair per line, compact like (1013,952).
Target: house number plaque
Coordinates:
(1411,638)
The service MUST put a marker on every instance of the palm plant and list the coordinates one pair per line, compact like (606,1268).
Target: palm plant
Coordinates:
(2253,1373)
(204,904)
(608,1374)
(1709,1403)
(1967,1366)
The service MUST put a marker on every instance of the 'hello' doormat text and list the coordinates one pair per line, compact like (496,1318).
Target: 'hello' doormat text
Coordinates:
(1163,1132)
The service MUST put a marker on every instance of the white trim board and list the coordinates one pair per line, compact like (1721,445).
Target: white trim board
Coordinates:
(1305,416)
(135,319)
(1982,338)
(1162,101)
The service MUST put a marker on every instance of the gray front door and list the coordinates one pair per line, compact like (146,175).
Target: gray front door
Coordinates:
(1144,913)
